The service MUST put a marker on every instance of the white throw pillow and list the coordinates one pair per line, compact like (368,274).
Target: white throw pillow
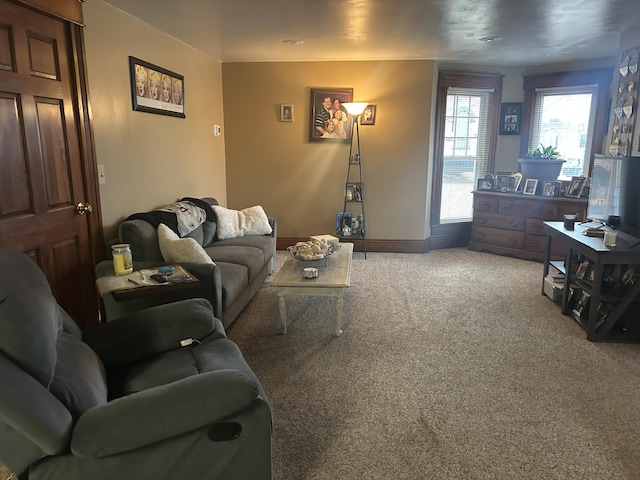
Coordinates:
(180,250)
(238,223)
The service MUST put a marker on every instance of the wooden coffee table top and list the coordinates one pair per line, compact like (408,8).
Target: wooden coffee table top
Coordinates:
(337,272)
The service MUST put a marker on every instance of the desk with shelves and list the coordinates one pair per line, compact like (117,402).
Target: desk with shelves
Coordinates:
(602,284)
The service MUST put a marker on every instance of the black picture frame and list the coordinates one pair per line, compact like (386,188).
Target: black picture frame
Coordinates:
(320,116)
(510,118)
(575,187)
(149,86)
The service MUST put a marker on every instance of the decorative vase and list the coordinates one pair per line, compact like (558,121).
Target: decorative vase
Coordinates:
(541,168)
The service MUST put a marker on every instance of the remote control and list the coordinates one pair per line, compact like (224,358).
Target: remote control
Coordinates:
(158,277)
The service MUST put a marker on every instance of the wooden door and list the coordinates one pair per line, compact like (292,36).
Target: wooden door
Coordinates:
(44,156)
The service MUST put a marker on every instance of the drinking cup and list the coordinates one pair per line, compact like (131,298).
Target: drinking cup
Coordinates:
(610,238)
(570,221)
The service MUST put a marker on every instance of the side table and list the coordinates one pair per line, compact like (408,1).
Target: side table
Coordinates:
(138,292)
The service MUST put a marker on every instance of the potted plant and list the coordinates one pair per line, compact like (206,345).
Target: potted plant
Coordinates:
(541,163)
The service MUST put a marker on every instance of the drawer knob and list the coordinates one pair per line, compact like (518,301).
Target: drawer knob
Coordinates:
(515,223)
(482,220)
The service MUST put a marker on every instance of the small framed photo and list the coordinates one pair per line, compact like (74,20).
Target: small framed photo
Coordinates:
(484,184)
(561,187)
(510,116)
(505,183)
(354,192)
(575,187)
(286,112)
(530,186)
(518,186)
(369,115)
(582,270)
(548,188)
(582,307)
(343,219)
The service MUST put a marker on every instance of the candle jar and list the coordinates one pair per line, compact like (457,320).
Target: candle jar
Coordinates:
(122,261)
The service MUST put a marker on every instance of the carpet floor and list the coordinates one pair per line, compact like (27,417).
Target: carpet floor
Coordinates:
(452,366)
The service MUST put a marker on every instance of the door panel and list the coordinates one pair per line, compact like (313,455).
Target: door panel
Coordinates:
(41,159)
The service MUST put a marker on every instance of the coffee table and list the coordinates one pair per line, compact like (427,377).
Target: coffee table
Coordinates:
(332,280)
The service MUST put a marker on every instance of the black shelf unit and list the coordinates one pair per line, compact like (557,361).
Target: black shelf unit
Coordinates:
(602,284)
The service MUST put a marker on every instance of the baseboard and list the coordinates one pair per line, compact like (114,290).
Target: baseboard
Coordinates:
(373,245)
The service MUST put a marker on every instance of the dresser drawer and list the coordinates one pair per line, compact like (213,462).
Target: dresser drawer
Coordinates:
(535,243)
(493,236)
(538,243)
(510,222)
(534,225)
(484,204)
(529,208)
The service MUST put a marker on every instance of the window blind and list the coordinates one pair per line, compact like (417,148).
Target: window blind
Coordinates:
(466,149)
(569,128)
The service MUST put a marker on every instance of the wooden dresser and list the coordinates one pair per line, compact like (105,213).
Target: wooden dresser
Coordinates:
(512,223)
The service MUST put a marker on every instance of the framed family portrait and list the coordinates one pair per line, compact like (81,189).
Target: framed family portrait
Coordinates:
(329,119)
(155,89)
(369,115)
(510,116)
(286,112)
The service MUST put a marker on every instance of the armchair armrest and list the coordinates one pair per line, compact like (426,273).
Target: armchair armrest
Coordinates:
(151,331)
(163,412)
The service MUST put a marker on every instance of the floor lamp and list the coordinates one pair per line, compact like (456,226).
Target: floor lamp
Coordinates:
(355,109)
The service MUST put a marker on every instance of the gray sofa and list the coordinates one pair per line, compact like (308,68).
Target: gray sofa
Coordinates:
(241,266)
(159,394)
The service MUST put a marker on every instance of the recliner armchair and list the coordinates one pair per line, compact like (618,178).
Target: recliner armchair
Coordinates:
(158,394)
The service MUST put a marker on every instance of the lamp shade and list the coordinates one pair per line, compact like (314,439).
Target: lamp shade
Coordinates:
(355,108)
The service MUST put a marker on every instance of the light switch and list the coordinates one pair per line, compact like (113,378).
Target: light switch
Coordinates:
(101,177)
(217,130)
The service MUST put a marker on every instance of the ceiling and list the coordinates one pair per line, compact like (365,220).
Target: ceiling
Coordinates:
(532,31)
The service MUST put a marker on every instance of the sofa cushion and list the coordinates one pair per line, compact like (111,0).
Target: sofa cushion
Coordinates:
(178,250)
(238,223)
(253,259)
(235,279)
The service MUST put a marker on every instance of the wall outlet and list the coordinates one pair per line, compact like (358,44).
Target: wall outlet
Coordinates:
(217,130)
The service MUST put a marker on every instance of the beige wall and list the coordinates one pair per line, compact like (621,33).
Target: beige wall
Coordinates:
(272,163)
(150,160)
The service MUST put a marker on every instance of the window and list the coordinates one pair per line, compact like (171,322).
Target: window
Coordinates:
(564,117)
(567,110)
(465,127)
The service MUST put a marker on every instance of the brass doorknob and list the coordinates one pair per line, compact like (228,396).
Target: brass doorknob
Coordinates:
(81,208)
